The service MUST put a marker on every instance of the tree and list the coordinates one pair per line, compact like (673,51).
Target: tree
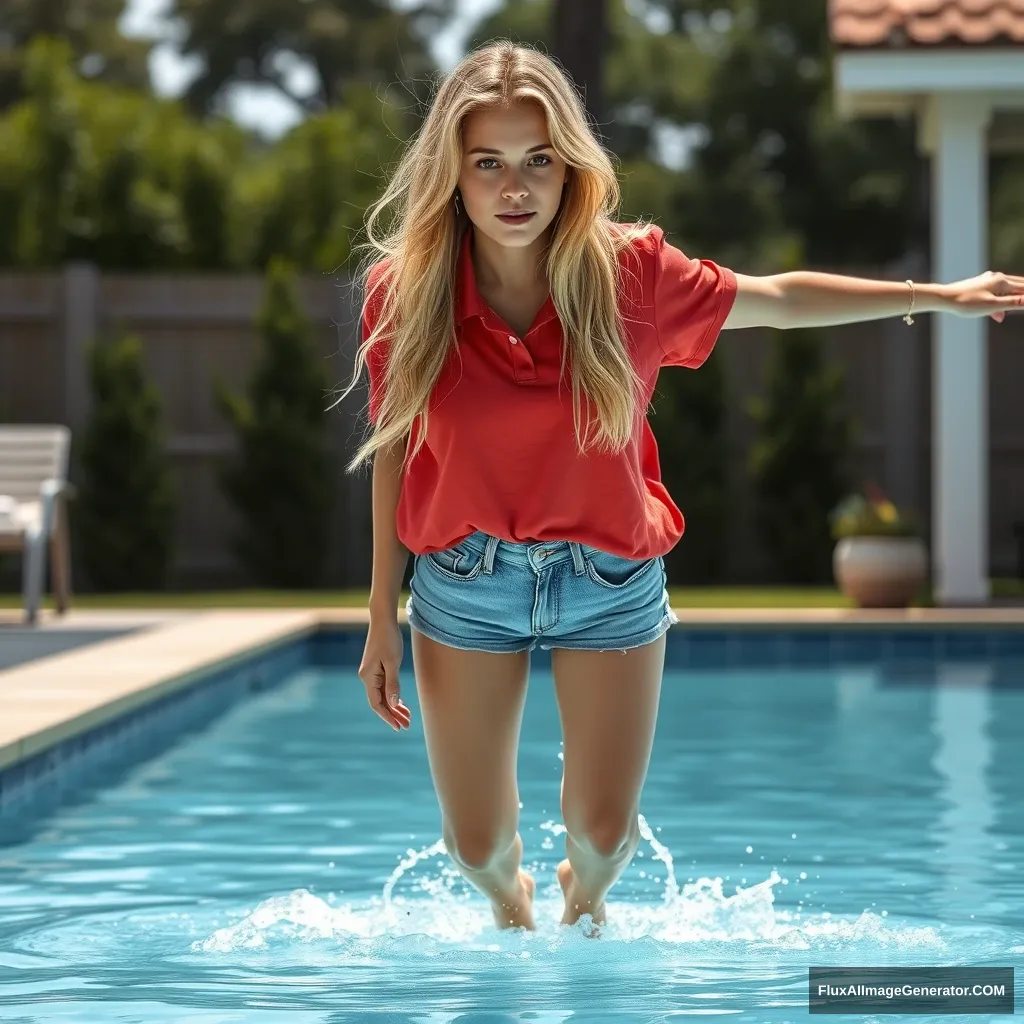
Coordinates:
(281,484)
(124,517)
(773,176)
(338,42)
(89,27)
(689,423)
(306,198)
(580,34)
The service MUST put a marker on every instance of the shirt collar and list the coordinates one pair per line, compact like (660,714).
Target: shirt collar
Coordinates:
(468,300)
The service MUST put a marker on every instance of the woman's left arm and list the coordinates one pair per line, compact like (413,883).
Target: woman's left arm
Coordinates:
(807,299)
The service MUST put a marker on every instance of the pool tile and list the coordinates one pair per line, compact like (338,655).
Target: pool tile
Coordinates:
(957,644)
(807,648)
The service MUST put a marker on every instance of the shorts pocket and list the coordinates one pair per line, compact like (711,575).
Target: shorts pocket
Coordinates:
(614,571)
(456,563)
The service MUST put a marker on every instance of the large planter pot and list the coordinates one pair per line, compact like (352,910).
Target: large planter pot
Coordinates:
(880,572)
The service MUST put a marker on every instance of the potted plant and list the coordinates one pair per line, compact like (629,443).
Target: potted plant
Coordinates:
(880,559)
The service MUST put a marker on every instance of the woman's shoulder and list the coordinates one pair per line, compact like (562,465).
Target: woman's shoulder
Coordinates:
(638,246)
(638,237)
(377,272)
(375,286)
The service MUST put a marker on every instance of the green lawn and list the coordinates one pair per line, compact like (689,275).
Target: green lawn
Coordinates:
(681,597)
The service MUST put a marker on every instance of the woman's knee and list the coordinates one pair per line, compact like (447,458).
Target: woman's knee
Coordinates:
(606,833)
(474,848)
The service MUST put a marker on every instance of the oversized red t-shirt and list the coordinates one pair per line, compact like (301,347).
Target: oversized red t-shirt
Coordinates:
(501,454)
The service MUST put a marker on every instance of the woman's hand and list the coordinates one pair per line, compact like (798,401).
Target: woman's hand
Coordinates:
(988,294)
(378,670)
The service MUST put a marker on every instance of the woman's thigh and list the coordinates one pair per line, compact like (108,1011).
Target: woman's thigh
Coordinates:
(471,703)
(608,704)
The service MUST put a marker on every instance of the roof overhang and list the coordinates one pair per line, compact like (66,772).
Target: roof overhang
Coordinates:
(878,82)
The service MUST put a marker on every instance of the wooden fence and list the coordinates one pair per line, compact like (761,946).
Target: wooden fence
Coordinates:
(196,325)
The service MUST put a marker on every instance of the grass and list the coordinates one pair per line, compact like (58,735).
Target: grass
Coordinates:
(681,597)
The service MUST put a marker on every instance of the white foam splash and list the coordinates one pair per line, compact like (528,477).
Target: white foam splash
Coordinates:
(444,912)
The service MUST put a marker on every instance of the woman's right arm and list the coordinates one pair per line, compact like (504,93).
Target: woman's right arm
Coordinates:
(382,655)
(390,555)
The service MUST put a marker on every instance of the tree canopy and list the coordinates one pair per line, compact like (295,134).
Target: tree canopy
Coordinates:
(339,42)
(94,166)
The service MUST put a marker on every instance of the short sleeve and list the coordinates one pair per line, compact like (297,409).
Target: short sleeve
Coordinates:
(692,299)
(377,354)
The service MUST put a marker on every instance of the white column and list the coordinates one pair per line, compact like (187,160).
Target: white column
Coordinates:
(959,362)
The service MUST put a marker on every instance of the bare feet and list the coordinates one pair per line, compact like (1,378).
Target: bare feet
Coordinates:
(519,912)
(575,907)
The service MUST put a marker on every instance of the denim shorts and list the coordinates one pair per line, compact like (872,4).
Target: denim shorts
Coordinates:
(486,594)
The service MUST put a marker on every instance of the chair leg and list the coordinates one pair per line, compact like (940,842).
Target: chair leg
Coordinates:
(60,561)
(32,575)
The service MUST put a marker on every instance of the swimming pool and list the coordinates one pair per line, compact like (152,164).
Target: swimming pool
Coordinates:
(283,864)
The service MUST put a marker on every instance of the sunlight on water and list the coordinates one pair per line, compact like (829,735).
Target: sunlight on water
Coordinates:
(435,909)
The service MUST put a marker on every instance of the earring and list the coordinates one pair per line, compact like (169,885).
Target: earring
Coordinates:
(458,205)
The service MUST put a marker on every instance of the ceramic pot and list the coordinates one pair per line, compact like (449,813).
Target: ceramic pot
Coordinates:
(880,572)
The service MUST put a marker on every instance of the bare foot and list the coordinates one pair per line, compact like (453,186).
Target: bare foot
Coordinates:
(574,907)
(519,913)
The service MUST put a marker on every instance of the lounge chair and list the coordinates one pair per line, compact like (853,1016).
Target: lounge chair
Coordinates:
(33,510)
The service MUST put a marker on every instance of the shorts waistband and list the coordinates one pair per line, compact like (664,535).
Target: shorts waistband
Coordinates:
(536,554)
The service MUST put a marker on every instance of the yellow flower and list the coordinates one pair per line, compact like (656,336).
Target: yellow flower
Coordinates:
(887,512)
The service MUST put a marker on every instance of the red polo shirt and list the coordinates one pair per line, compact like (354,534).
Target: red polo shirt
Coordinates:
(501,455)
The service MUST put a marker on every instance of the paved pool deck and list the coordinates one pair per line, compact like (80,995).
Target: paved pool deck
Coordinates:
(135,657)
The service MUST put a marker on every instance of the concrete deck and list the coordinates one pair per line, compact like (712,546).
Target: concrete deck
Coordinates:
(142,655)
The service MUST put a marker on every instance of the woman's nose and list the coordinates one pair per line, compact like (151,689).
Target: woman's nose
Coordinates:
(515,189)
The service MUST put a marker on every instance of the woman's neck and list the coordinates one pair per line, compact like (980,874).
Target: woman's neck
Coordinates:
(501,268)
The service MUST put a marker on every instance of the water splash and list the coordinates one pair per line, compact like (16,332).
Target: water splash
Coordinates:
(412,858)
(442,911)
(663,854)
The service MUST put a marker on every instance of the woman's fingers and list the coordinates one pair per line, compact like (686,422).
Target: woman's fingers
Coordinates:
(376,695)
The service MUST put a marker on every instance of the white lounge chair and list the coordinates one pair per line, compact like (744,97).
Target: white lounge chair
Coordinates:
(33,512)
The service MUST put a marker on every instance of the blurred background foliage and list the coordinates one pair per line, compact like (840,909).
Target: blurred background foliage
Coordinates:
(718,112)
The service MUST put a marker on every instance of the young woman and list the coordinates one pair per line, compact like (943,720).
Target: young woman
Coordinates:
(503,288)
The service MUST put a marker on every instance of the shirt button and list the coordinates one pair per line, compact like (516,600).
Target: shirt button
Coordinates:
(513,339)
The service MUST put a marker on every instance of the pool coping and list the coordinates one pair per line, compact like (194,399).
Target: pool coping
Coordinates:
(40,708)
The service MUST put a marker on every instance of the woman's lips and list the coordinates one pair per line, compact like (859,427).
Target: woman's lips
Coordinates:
(522,218)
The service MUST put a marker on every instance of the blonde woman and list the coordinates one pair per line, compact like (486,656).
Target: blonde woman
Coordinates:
(513,333)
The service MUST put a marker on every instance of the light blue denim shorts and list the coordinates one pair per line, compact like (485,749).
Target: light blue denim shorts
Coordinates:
(486,594)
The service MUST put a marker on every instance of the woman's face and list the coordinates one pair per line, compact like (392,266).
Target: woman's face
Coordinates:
(508,164)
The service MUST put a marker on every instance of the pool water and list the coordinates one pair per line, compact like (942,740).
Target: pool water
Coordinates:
(284,864)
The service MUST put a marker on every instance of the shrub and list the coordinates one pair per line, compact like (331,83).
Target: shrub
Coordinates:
(689,424)
(798,461)
(281,482)
(125,513)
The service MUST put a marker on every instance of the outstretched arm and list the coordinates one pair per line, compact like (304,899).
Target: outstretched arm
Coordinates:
(808,299)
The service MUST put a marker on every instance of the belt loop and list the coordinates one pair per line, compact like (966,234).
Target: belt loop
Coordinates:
(492,546)
(577,558)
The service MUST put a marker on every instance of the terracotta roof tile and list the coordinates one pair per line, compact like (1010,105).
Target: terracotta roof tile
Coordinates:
(856,23)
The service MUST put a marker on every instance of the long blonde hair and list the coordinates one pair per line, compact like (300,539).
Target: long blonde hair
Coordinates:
(416,317)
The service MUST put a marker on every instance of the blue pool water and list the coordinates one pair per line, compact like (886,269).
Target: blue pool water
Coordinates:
(282,865)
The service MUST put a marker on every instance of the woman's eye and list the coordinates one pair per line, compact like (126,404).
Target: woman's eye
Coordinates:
(491,160)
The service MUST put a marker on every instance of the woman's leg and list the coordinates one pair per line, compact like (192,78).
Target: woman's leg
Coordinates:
(472,707)
(608,703)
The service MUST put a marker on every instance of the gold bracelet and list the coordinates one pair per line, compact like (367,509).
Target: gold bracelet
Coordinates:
(908,319)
